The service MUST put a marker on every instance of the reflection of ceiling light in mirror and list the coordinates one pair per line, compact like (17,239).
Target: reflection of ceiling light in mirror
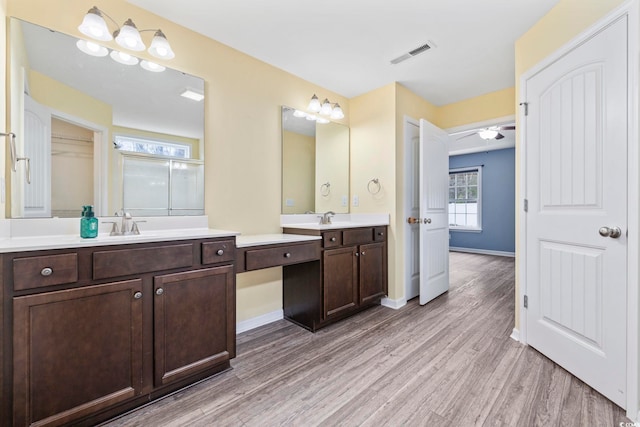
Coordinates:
(129,37)
(322,121)
(91,48)
(152,66)
(190,94)
(488,133)
(298,113)
(160,47)
(123,58)
(310,117)
(94,26)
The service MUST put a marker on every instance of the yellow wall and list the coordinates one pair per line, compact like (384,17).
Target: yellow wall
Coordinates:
(3,91)
(299,172)
(492,105)
(332,166)
(564,22)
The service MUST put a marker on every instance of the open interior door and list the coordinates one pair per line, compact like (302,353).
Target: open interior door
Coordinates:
(434,207)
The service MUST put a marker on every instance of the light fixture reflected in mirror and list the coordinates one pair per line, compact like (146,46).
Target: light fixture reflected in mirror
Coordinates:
(152,66)
(91,48)
(123,58)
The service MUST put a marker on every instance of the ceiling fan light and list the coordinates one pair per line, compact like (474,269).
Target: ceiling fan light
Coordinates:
(129,37)
(314,104)
(160,47)
(123,58)
(488,133)
(94,26)
(91,48)
(326,107)
(336,113)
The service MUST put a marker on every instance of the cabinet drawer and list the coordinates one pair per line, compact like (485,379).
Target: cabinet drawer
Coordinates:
(124,262)
(214,252)
(331,239)
(283,255)
(356,236)
(380,234)
(41,271)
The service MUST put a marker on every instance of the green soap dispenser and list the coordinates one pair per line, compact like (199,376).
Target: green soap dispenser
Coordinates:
(88,223)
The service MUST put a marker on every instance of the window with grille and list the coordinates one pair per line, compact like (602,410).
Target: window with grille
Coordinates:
(465,199)
(152,146)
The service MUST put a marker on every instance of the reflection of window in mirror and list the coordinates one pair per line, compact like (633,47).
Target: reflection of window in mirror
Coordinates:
(152,146)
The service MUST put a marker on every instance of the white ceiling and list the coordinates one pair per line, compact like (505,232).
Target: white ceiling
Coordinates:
(345,46)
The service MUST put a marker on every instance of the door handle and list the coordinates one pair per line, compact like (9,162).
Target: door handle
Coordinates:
(613,232)
(412,220)
(427,220)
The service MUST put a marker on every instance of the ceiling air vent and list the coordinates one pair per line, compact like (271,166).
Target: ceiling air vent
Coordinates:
(413,53)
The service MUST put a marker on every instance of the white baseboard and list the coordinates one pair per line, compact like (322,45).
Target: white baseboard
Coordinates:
(255,322)
(515,335)
(483,252)
(393,303)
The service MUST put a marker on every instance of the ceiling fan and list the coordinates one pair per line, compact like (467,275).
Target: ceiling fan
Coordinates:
(492,132)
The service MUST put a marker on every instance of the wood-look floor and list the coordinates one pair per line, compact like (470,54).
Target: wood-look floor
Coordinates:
(449,363)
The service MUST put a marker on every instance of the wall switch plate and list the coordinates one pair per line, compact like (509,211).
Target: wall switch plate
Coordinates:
(356,200)
(345,201)
(290,202)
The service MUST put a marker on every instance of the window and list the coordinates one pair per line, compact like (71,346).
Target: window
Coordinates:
(465,201)
(152,146)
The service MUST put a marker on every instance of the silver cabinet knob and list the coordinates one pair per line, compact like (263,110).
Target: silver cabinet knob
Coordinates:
(362,252)
(287,255)
(357,253)
(137,295)
(613,232)
(427,220)
(159,291)
(381,234)
(47,271)
(220,252)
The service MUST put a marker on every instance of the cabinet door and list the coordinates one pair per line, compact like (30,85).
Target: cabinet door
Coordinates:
(194,318)
(340,283)
(76,351)
(373,272)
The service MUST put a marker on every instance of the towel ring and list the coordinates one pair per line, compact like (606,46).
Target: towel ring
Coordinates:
(325,189)
(375,189)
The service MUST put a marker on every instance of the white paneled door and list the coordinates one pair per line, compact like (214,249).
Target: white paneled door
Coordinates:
(35,161)
(576,186)
(434,217)
(412,209)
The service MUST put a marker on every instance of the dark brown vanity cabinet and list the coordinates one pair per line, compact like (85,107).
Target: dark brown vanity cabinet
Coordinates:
(93,332)
(352,276)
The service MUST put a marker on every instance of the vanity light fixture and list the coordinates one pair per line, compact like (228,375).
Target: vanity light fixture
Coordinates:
(326,109)
(128,36)
(192,95)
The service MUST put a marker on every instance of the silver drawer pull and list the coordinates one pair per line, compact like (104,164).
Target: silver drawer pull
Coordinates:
(362,252)
(381,234)
(220,252)
(357,253)
(137,295)
(159,291)
(47,271)
(287,255)
(333,239)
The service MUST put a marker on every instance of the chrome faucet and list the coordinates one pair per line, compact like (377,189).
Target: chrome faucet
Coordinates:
(127,225)
(326,217)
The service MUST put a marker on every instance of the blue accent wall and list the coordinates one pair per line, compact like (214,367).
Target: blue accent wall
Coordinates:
(498,201)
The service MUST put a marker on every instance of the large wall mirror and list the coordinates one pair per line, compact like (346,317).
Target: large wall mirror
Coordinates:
(98,131)
(315,165)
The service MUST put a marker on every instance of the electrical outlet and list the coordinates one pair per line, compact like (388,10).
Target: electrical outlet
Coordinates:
(356,200)
(290,202)
(345,201)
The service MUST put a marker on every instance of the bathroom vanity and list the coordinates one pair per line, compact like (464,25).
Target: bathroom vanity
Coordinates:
(350,276)
(94,328)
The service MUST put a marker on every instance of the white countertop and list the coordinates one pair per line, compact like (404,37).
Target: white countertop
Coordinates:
(312,222)
(19,235)
(272,239)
